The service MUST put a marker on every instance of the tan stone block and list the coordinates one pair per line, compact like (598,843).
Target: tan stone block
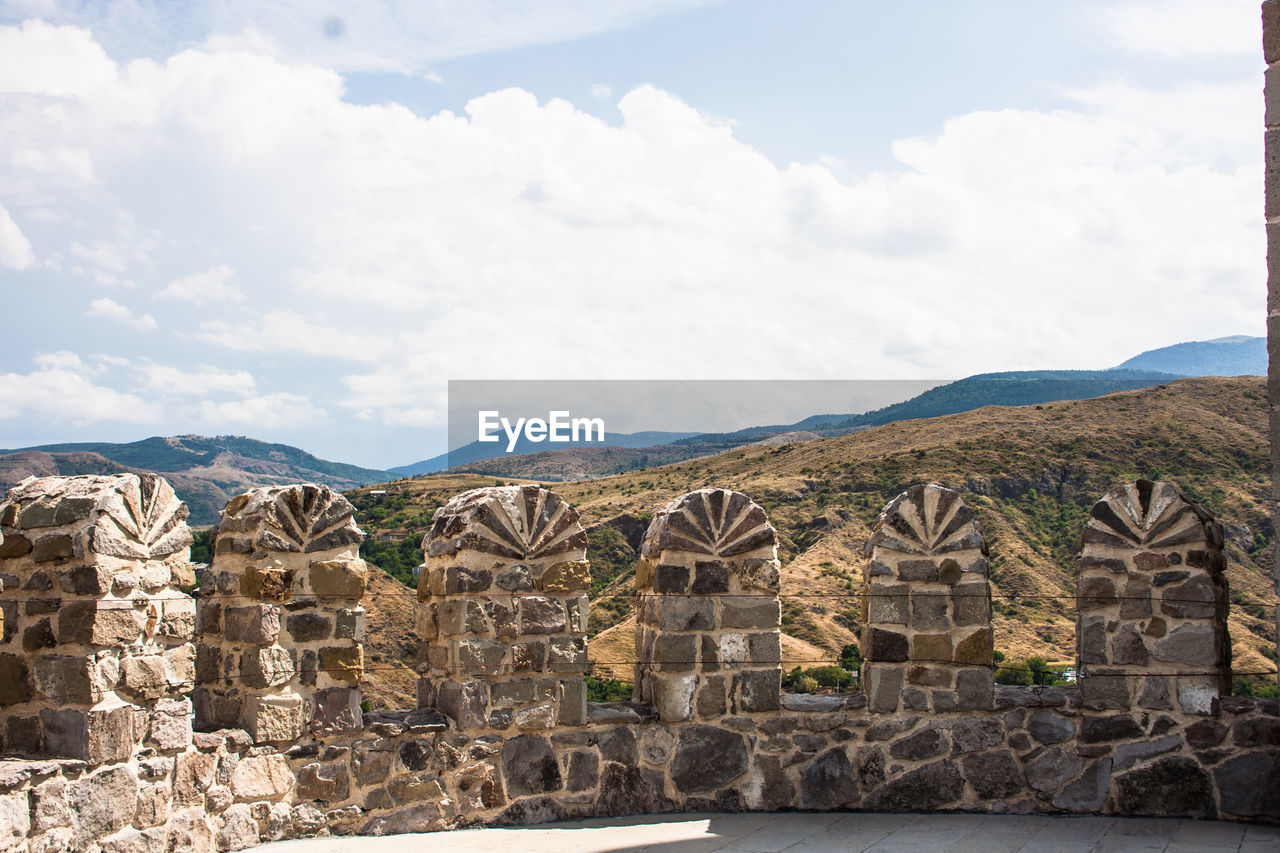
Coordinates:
(274,718)
(566,577)
(100,623)
(974,649)
(931,647)
(339,578)
(343,663)
(269,584)
(262,777)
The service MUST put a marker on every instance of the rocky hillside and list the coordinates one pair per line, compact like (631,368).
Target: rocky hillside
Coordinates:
(206,472)
(1030,472)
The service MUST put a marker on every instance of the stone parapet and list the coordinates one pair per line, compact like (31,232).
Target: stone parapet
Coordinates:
(95,651)
(1151,597)
(926,643)
(279,617)
(708,616)
(503,611)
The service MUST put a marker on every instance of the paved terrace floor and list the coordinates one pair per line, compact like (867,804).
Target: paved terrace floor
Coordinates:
(814,833)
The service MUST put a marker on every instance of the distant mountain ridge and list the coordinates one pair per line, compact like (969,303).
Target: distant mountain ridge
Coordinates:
(1014,388)
(1236,355)
(206,472)
(475,451)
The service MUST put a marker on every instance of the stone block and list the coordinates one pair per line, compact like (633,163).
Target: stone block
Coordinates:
(169,724)
(66,679)
(670,578)
(269,666)
(541,615)
(253,623)
(1105,689)
(325,781)
(350,624)
(54,546)
(274,718)
(97,736)
(993,775)
(682,613)
(144,676)
(710,577)
(1194,598)
(262,777)
(86,580)
(975,690)
(1128,648)
(466,703)
(1136,603)
(707,758)
(100,623)
(758,690)
(884,687)
(970,604)
(887,603)
(974,648)
(885,646)
(1176,786)
(1193,645)
(567,654)
(308,627)
(1050,728)
(480,656)
(929,610)
(530,767)
(96,801)
(1094,593)
(1198,694)
(918,571)
(673,695)
(463,580)
(15,680)
(931,647)
(337,712)
(750,612)
(675,652)
(829,782)
(338,579)
(569,576)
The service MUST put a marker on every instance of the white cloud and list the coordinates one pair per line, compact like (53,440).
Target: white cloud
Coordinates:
(39,58)
(528,239)
(269,411)
(61,389)
(109,309)
(600,90)
(1183,28)
(212,285)
(282,331)
(168,380)
(15,248)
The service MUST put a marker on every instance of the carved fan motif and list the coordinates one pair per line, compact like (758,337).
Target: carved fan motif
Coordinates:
(927,520)
(1146,515)
(145,510)
(710,521)
(519,522)
(295,519)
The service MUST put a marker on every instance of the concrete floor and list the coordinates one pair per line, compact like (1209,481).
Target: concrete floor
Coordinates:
(814,833)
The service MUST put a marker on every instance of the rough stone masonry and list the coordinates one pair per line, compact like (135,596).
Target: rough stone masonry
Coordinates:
(283,761)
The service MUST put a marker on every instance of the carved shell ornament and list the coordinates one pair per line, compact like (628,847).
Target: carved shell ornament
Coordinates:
(927,520)
(1147,515)
(518,522)
(294,519)
(135,516)
(710,521)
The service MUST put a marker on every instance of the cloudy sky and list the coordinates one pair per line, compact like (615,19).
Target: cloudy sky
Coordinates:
(298,222)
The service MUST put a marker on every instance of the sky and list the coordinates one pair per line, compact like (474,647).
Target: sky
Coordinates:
(298,220)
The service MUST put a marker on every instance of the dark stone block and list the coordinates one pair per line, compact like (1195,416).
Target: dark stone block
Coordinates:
(1089,792)
(929,610)
(57,546)
(1095,592)
(918,570)
(460,580)
(39,636)
(710,578)
(993,775)
(969,734)
(707,758)
(1256,731)
(929,787)
(1171,787)
(975,690)
(15,681)
(530,766)
(886,646)
(583,771)
(1250,785)
(1115,727)
(1191,599)
(923,744)
(758,690)
(670,578)
(305,627)
(1166,578)
(1050,728)
(627,790)
(619,745)
(829,782)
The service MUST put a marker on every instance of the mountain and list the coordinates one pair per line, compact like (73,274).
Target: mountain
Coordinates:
(1031,473)
(1237,355)
(476,451)
(205,472)
(1014,388)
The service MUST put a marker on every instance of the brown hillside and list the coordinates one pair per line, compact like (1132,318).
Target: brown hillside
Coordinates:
(1031,473)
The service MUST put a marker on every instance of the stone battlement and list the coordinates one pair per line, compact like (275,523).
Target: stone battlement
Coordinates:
(140,717)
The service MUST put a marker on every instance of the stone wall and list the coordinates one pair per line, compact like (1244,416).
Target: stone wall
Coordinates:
(1271,211)
(711,731)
